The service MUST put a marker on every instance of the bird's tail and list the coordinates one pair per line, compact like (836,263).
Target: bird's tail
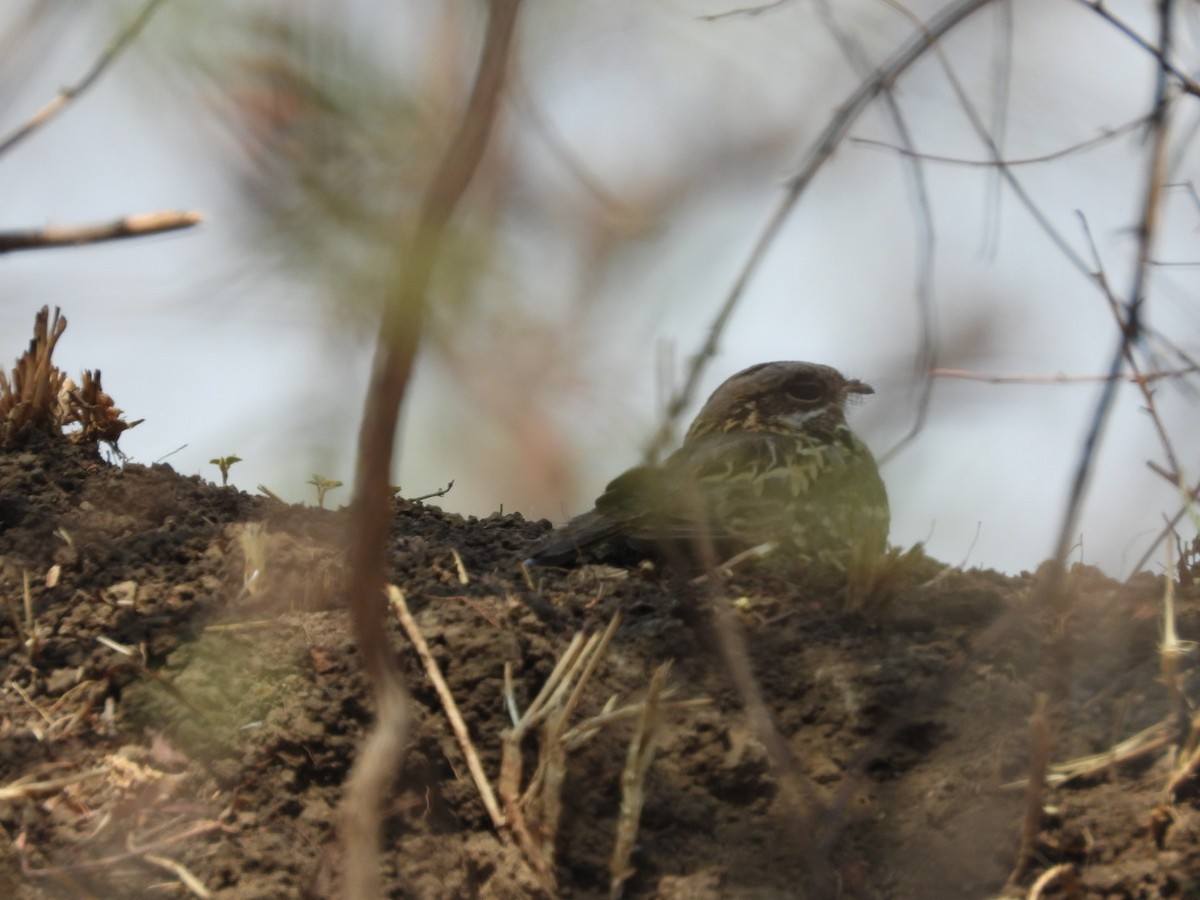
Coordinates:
(568,544)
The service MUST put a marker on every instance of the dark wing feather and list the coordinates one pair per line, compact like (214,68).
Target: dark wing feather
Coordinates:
(625,500)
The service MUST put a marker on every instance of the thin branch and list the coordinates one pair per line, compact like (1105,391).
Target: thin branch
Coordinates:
(1147,378)
(1131,319)
(396,347)
(1136,377)
(981,131)
(1107,135)
(828,141)
(1191,495)
(748,12)
(1160,53)
(66,95)
(1132,329)
(140,225)
(441,493)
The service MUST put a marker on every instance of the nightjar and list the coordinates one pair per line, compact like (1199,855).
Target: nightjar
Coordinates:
(769,458)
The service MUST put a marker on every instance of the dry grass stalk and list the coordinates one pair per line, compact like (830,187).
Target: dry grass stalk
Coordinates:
(78,702)
(1174,729)
(33,639)
(396,598)
(25,789)
(552,766)
(1187,770)
(512,760)
(29,401)
(252,537)
(536,834)
(633,779)
(459,568)
(610,715)
(180,871)
(760,551)
(1171,651)
(1144,742)
(1060,876)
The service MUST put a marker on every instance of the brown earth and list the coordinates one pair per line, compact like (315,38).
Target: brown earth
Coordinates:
(165,717)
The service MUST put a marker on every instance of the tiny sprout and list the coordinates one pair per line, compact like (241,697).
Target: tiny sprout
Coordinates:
(323,486)
(224,463)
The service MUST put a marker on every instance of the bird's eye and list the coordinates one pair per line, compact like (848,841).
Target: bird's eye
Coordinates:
(806,391)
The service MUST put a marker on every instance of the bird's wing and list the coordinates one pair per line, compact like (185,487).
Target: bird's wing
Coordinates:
(731,490)
(749,488)
(567,544)
(627,498)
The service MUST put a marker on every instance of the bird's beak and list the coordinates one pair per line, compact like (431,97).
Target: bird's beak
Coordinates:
(854,386)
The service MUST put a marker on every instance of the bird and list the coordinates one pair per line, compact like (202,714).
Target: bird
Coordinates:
(769,459)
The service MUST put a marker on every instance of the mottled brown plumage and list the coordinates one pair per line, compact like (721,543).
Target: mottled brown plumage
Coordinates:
(769,458)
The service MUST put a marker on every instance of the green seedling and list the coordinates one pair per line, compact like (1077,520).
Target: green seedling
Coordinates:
(224,463)
(323,486)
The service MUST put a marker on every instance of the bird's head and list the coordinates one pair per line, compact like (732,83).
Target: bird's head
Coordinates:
(779,398)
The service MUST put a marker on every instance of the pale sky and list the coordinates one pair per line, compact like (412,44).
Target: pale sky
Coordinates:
(223,352)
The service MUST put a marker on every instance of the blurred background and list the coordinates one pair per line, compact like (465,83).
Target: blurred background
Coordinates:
(643,146)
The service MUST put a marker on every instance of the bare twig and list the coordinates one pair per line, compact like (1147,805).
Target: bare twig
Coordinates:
(552,706)
(1191,495)
(396,598)
(399,334)
(1160,53)
(1107,135)
(828,141)
(1062,379)
(534,850)
(748,12)
(140,225)
(66,95)
(1184,773)
(1131,315)
(442,493)
(1128,317)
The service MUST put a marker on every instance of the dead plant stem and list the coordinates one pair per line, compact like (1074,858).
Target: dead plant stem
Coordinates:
(433,670)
